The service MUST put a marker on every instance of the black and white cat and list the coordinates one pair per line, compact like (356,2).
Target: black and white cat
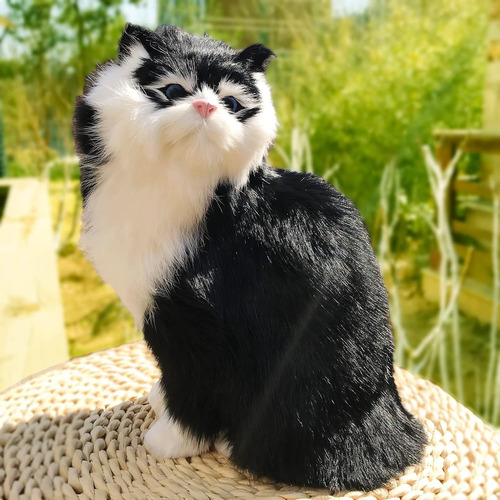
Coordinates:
(257,289)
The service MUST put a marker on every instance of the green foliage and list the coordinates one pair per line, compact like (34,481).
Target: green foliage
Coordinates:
(59,170)
(371,89)
(56,43)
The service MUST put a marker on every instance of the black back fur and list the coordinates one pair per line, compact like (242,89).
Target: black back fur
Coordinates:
(277,334)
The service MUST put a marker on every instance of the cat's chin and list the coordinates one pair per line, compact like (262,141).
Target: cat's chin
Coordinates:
(207,148)
(203,137)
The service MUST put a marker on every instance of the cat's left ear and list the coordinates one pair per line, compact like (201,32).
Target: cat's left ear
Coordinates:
(134,35)
(257,56)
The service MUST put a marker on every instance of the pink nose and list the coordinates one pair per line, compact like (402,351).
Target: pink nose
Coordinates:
(204,108)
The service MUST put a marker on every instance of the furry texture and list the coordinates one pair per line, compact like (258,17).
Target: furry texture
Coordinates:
(257,289)
(149,166)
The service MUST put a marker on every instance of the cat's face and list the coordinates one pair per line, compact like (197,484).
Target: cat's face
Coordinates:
(191,101)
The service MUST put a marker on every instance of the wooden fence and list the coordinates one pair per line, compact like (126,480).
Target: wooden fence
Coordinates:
(32,335)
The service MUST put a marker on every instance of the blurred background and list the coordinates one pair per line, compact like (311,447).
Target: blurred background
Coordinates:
(395,102)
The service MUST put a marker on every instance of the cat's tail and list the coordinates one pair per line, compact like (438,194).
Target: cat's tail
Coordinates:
(363,454)
(374,450)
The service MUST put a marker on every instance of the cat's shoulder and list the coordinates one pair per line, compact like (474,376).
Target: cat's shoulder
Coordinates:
(285,203)
(290,192)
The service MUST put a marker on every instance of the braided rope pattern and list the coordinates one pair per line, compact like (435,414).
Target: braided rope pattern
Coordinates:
(75,431)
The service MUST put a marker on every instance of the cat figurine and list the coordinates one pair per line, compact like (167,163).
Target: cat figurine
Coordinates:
(256,288)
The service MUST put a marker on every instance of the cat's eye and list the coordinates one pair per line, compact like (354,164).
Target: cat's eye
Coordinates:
(232,104)
(174,91)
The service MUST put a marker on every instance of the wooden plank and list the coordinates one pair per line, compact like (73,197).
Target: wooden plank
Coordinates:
(458,135)
(453,134)
(480,220)
(31,317)
(467,229)
(480,266)
(479,214)
(474,299)
(476,188)
(470,140)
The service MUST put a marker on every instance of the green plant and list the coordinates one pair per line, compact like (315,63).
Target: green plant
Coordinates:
(372,89)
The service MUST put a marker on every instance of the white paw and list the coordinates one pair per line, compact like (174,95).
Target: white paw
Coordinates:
(166,439)
(157,399)
(223,447)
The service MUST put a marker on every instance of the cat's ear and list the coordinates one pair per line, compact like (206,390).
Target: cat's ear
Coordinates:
(137,35)
(257,57)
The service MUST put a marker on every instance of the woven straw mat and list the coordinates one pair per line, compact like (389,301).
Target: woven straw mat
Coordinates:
(76,431)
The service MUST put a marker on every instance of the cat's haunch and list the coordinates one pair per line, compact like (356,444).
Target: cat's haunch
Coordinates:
(257,289)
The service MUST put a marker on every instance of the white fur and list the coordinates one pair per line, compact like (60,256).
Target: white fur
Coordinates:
(223,447)
(156,399)
(167,439)
(142,219)
(229,88)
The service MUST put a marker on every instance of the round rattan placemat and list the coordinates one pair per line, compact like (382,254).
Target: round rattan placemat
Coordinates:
(76,430)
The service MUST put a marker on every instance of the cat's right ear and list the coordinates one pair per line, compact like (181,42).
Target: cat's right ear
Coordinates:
(133,35)
(257,57)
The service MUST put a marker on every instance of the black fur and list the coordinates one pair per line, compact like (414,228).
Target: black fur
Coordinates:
(132,34)
(257,57)
(160,101)
(247,113)
(88,145)
(175,51)
(277,335)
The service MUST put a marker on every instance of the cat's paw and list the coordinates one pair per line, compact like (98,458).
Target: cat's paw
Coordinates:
(166,439)
(156,399)
(223,447)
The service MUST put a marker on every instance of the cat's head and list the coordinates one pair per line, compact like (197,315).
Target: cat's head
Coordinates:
(189,101)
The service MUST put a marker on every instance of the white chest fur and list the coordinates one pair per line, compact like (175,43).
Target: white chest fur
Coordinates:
(138,224)
(141,220)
